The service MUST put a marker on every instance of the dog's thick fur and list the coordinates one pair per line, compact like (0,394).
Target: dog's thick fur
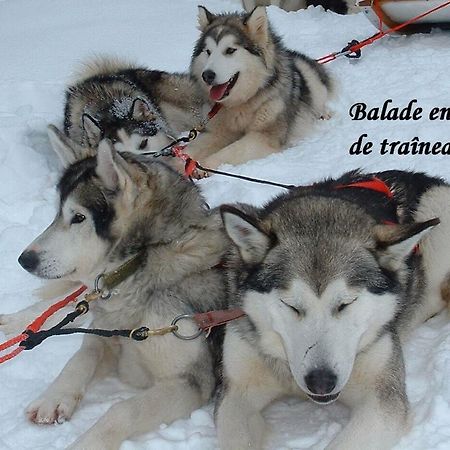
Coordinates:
(270,95)
(109,95)
(330,292)
(113,207)
(339,6)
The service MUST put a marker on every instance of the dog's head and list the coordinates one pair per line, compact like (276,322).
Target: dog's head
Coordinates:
(108,201)
(320,281)
(233,57)
(133,125)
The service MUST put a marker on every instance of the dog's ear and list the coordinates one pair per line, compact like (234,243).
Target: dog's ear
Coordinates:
(92,130)
(395,242)
(140,110)
(110,166)
(257,24)
(67,150)
(247,234)
(204,17)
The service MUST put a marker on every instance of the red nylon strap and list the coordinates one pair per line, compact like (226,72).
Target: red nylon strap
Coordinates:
(375,184)
(211,319)
(37,324)
(189,167)
(381,34)
(214,110)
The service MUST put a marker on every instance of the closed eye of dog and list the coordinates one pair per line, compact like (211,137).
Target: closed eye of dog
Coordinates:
(342,306)
(230,50)
(143,144)
(77,218)
(292,308)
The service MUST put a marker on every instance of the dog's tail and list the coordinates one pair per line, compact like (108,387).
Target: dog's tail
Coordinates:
(101,65)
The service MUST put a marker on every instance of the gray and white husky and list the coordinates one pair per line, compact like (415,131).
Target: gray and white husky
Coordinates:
(270,95)
(331,288)
(149,106)
(114,206)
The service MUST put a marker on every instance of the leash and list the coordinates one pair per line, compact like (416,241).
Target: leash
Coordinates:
(36,325)
(192,134)
(103,289)
(353,49)
(107,281)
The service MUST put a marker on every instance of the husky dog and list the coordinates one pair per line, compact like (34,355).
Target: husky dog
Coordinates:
(269,95)
(331,288)
(113,207)
(339,6)
(149,105)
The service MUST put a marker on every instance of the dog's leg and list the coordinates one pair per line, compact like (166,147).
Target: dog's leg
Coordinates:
(253,145)
(376,393)
(249,386)
(240,424)
(59,401)
(162,403)
(208,143)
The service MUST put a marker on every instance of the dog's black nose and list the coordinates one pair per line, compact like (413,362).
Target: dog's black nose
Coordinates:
(321,381)
(29,260)
(208,76)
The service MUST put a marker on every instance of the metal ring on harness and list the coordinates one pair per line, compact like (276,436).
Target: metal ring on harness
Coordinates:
(105,294)
(180,336)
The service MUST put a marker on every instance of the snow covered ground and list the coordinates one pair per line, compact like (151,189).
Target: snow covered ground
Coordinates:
(40,44)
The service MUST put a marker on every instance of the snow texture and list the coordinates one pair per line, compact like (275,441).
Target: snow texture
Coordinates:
(41,43)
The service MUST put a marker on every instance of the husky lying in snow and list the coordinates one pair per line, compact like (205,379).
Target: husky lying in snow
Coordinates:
(149,105)
(112,207)
(339,6)
(269,95)
(330,292)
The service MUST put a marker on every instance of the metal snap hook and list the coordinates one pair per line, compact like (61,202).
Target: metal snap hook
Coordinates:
(180,336)
(105,294)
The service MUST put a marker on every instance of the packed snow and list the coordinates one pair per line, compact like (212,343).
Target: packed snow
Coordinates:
(41,44)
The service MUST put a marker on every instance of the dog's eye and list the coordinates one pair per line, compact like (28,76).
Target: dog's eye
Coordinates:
(342,306)
(77,218)
(208,52)
(230,50)
(143,144)
(292,308)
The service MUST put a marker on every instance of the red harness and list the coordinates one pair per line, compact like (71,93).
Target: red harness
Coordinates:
(375,184)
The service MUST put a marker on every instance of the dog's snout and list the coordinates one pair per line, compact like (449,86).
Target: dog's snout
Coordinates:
(209,76)
(29,260)
(321,381)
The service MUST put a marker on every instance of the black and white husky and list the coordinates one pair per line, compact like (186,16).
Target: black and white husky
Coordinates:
(332,281)
(270,95)
(113,206)
(138,109)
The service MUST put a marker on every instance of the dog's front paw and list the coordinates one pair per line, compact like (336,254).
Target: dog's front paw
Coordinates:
(55,408)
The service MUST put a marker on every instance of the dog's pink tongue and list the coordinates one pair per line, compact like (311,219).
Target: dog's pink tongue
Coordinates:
(217,92)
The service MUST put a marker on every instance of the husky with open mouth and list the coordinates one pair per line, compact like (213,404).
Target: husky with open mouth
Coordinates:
(150,107)
(270,96)
(116,208)
(332,281)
